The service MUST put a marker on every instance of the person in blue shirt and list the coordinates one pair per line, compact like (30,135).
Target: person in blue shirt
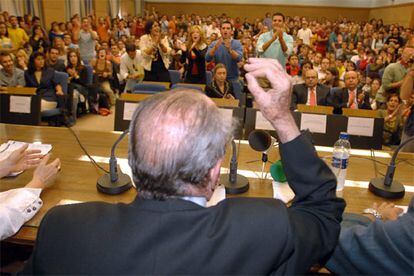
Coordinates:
(276,44)
(226,50)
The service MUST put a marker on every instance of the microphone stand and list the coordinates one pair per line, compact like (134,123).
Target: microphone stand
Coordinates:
(233,182)
(386,187)
(115,182)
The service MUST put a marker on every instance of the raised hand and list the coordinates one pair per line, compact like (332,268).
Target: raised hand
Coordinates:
(274,103)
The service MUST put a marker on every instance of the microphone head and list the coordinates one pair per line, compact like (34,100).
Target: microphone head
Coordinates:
(260,140)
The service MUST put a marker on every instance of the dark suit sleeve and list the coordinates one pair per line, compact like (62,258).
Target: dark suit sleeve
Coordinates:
(316,212)
(294,100)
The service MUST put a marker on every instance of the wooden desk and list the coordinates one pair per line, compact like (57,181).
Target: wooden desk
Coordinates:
(77,179)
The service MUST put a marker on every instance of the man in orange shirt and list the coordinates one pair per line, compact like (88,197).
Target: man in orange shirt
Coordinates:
(172,24)
(103,28)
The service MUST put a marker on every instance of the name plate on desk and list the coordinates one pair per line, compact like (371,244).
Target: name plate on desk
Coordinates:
(262,122)
(315,123)
(129,109)
(360,126)
(20,104)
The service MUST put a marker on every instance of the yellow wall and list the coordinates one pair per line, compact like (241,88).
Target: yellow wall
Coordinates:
(101,7)
(127,7)
(403,14)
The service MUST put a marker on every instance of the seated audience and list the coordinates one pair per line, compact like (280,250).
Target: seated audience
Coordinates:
(175,155)
(19,205)
(311,92)
(220,87)
(17,35)
(350,96)
(393,121)
(293,68)
(22,59)
(43,78)
(131,69)
(332,78)
(10,76)
(193,54)
(306,65)
(155,52)
(53,60)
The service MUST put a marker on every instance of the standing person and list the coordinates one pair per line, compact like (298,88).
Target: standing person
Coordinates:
(156,53)
(17,35)
(102,69)
(86,40)
(131,69)
(305,34)
(275,44)
(176,147)
(194,55)
(226,50)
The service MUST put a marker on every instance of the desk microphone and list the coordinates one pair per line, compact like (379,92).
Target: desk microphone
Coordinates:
(115,182)
(261,140)
(233,182)
(386,187)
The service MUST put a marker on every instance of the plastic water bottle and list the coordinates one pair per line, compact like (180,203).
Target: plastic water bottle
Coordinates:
(340,159)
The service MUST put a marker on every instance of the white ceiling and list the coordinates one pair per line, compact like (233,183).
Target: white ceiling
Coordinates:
(329,3)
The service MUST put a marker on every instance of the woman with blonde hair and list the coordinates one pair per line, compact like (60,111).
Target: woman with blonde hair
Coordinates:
(193,55)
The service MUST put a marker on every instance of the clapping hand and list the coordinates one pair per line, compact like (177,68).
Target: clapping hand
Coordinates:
(21,160)
(45,174)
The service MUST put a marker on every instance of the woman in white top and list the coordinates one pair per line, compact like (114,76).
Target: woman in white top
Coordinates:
(155,51)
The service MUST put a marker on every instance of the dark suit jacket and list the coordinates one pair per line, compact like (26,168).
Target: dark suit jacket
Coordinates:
(175,236)
(47,86)
(300,95)
(339,99)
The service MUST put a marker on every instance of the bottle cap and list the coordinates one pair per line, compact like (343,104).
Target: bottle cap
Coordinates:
(344,135)
(277,172)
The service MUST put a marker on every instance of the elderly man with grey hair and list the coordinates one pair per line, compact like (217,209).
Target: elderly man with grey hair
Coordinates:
(177,144)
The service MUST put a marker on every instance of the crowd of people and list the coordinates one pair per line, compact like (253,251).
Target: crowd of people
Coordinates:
(177,142)
(340,62)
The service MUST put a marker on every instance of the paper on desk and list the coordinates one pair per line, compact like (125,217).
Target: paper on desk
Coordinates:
(282,191)
(360,126)
(129,109)
(262,122)
(68,201)
(7,148)
(314,122)
(20,104)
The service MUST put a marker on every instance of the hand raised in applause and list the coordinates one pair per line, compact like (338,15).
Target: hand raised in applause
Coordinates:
(20,160)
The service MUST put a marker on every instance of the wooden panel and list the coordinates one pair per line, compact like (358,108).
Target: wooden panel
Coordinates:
(19,91)
(402,14)
(253,11)
(53,10)
(360,113)
(319,109)
(101,8)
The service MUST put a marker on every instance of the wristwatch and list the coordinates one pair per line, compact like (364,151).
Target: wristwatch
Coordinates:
(373,212)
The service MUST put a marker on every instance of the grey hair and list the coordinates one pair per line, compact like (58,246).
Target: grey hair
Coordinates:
(175,139)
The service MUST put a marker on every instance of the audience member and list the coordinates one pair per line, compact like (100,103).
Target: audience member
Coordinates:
(393,121)
(17,35)
(220,87)
(86,41)
(53,60)
(155,53)
(311,92)
(350,96)
(407,93)
(276,43)
(38,40)
(6,44)
(227,51)
(131,70)
(102,69)
(193,54)
(10,76)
